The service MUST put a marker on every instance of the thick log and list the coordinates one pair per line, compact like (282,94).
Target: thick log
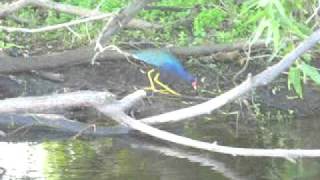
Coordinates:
(83,55)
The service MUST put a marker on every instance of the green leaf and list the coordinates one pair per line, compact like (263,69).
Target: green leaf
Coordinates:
(294,79)
(280,9)
(311,72)
(275,26)
(258,33)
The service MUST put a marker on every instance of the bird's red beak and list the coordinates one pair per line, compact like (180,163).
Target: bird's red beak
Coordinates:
(194,84)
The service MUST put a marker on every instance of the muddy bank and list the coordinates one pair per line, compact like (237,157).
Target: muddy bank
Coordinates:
(122,77)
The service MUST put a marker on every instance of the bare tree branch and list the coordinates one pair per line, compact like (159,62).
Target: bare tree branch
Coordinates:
(13,7)
(114,24)
(54,27)
(10,8)
(120,20)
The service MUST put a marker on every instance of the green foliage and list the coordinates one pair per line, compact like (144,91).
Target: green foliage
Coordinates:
(281,22)
(208,20)
(183,38)
(310,72)
(302,70)
(274,19)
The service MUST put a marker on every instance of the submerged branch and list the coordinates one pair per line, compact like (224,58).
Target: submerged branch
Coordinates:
(58,123)
(63,101)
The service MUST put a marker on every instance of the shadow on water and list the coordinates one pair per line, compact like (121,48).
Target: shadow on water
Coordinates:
(51,155)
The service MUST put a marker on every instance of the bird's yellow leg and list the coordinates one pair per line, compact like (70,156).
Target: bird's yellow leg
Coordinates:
(166,89)
(152,86)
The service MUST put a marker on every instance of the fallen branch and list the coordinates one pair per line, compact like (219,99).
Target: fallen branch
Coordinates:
(115,110)
(116,113)
(83,55)
(64,101)
(41,104)
(260,79)
(206,50)
(15,6)
(58,123)
(58,101)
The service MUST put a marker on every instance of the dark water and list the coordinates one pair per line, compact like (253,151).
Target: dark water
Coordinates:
(140,157)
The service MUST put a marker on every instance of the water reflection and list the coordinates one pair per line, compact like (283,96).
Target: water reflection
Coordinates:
(142,157)
(22,160)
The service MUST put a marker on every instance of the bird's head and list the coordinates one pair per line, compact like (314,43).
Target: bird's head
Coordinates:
(192,80)
(194,84)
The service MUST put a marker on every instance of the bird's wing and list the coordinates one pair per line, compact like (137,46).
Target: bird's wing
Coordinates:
(156,58)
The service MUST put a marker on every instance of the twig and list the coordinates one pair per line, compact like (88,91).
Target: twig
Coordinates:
(313,15)
(100,50)
(81,132)
(24,127)
(243,69)
(115,23)
(54,27)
